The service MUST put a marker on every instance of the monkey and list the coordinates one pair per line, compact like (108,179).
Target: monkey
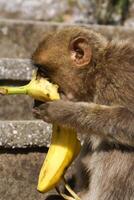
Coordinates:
(96,83)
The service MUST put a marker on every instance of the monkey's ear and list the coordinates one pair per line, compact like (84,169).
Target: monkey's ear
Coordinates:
(80,51)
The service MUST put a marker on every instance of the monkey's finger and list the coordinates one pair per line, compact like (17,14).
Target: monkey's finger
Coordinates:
(43,106)
(36,113)
(46,119)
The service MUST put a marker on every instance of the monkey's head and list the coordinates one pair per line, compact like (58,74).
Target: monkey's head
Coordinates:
(68,58)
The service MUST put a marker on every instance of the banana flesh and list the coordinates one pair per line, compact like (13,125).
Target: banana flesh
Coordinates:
(64,144)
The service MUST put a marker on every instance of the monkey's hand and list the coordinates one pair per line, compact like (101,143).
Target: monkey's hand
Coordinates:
(57,111)
(111,122)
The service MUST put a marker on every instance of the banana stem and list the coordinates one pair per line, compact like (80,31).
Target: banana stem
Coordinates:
(66,197)
(5,90)
(73,196)
(13,90)
(68,188)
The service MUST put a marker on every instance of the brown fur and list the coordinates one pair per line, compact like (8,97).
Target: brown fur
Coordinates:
(100,104)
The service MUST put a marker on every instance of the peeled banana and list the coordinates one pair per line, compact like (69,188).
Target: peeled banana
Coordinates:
(64,144)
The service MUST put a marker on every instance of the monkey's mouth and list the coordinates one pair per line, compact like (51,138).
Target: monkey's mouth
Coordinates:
(64,96)
(45,73)
(40,74)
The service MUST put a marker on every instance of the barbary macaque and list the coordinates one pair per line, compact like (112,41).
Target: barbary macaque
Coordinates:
(96,81)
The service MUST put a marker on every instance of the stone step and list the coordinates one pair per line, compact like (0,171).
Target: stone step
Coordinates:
(19,38)
(15,69)
(19,173)
(23,147)
(16,107)
(15,72)
(25,133)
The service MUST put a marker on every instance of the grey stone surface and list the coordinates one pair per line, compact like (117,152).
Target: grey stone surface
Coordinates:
(19,176)
(15,69)
(26,133)
(18,38)
(16,107)
(22,134)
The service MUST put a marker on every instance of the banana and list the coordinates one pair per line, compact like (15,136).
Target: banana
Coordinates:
(64,148)
(64,143)
(39,88)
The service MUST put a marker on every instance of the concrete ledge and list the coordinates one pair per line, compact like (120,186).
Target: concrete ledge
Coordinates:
(15,69)
(19,38)
(22,134)
(19,176)
(16,107)
(26,133)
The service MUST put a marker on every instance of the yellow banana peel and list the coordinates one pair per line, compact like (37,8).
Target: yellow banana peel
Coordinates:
(64,148)
(39,88)
(64,144)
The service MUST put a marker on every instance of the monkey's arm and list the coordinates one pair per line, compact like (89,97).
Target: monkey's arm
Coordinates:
(115,122)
